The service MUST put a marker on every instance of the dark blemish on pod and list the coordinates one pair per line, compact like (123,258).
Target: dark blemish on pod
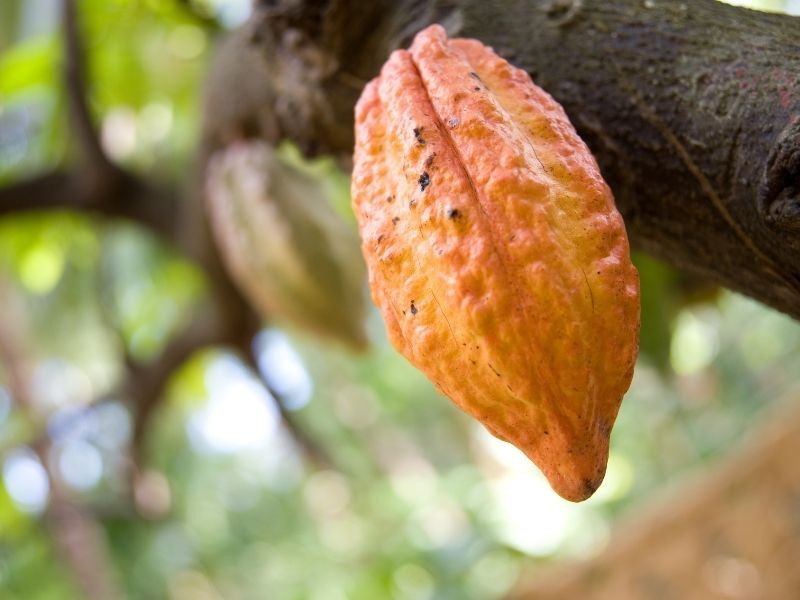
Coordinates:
(395,220)
(429,160)
(411,203)
(453,123)
(472,361)
(589,487)
(413,308)
(418,135)
(380,238)
(546,432)
(390,199)
(477,88)
(424,181)
(493,369)
(453,214)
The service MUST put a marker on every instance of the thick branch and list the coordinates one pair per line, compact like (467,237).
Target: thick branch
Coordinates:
(692,109)
(127,197)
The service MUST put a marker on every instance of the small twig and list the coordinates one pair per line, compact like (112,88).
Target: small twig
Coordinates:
(15,367)
(78,537)
(198,15)
(243,345)
(75,82)
(80,540)
(312,451)
(146,383)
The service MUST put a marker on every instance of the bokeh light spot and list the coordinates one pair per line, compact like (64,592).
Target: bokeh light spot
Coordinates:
(26,481)
(41,267)
(119,133)
(694,344)
(413,582)
(187,42)
(239,415)
(326,493)
(282,368)
(80,465)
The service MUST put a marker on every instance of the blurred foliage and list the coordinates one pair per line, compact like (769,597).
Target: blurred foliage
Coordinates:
(420,501)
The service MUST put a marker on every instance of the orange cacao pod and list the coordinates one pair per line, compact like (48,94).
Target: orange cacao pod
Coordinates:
(495,252)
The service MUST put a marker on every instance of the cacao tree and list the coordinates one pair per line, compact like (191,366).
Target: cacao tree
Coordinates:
(691,109)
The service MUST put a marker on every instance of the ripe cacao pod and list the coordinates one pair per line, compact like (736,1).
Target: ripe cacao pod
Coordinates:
(291,255)
(495,252)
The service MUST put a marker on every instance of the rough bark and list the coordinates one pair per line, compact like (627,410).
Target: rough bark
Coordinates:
(692,109)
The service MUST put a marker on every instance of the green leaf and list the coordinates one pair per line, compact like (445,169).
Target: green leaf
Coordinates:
(30,64)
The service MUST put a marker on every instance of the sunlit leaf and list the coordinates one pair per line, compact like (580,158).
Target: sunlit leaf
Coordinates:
(32,63)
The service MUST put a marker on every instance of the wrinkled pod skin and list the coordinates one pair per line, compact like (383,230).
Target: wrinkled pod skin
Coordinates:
(495,252)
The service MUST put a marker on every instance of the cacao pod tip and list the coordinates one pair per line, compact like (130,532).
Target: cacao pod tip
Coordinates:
(578,478)
(572,460)
(583,490)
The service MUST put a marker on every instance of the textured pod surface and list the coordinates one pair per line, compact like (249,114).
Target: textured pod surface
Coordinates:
(495,252)
(291,255)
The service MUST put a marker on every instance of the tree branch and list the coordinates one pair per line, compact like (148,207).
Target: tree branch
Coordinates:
(97,185)
(128,197)
(692,110)
(229,321)
(146,383)
(197,14)
(75,84)
(78,537)
(312,451)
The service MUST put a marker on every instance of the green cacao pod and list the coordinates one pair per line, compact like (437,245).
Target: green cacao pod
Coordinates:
(290,253)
